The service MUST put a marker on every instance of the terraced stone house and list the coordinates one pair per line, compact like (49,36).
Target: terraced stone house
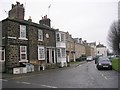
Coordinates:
(26,42)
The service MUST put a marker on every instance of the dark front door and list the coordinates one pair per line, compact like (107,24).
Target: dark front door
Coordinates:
(53,57)
(47,55)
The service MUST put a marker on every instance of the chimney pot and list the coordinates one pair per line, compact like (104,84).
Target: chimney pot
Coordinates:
(30,19)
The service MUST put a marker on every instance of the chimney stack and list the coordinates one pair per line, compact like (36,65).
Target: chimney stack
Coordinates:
(45,21)
(17,11)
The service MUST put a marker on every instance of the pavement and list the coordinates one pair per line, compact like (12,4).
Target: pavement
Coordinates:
(6,75)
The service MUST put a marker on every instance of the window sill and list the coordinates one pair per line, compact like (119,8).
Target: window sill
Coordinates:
(23,61)
(41,59)
(40,40)
(23,38)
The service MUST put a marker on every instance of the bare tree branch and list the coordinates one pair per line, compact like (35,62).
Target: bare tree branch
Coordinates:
(114,37)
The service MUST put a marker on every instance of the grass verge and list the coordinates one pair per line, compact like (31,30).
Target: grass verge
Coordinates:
(116,64)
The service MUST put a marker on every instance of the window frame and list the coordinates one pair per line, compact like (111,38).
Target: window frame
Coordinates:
(40,35)
(42,57)
(61,53)
(21,52)
(23,31)
(2,54)
(58,37)
(58,52)
(62,37)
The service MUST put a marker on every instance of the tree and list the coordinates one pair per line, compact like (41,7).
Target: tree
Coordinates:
(114,37)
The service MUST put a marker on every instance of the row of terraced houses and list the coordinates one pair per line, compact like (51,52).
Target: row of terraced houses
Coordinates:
(23,41)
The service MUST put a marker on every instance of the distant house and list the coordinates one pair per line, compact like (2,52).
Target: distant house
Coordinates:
(101,50)
(93,48)
(26,42)
(79,47)
(70,47)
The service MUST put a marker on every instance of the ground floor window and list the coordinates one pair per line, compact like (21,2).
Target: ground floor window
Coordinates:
(61,52)
(41,53)
(2,54)
(23,52)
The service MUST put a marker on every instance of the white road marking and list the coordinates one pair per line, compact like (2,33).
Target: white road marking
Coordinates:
(92,78)
(48,86)
(3,80)
(105,77)
(24,82)
(80,65)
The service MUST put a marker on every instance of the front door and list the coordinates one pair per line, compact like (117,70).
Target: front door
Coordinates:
(50,55)
(47,56)
(53,56)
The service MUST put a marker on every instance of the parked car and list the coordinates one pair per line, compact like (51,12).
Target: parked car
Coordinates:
(104,63)
(115,56)
(89,58)
(81,58)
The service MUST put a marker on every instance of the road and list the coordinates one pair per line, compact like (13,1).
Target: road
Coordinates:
(82,76)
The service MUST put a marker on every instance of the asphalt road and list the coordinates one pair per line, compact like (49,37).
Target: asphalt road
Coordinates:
(83,76)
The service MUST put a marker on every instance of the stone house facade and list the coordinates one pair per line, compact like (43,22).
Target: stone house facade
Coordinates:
(40,40)
(70,47)
(26,42)
(89,51)
(79,47)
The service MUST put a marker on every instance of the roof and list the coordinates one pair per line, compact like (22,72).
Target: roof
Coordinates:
(100,45)
(30,23)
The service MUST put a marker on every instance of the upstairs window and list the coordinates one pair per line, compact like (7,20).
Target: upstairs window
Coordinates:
(58,37)
(40,35)
(22,31)
(62,37)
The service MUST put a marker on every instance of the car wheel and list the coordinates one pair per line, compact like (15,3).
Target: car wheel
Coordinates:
(98,68)
(110,68)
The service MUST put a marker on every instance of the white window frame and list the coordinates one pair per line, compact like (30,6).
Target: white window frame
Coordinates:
(58,52)
(2,51)
(23,53)
(62,37)
(41,54)
(23,31)
(58,37)
(61,52)
(40,35)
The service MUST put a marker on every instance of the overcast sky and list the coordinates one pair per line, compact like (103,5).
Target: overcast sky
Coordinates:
(86,19)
